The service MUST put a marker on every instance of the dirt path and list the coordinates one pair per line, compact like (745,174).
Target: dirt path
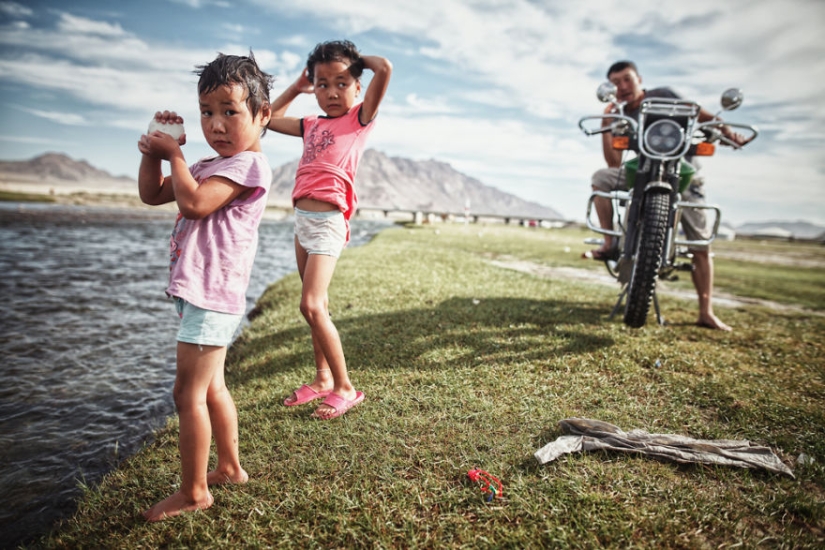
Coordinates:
(603,278)
(795,258)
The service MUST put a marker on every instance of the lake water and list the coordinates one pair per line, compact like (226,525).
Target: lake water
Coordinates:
(87,346)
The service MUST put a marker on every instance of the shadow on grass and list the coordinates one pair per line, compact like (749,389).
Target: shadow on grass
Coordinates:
(458,332)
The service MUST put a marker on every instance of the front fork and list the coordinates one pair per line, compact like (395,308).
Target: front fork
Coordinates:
(658,178)
(627,228)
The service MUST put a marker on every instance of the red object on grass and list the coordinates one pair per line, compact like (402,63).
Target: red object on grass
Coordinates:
(490,484)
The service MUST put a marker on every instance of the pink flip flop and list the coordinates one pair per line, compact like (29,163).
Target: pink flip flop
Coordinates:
(305,394)
(340,405)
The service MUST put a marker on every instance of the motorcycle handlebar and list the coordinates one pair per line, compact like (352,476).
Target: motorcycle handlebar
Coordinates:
(602,129)
(714,126)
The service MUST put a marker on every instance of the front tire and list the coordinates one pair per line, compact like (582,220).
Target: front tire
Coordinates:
(651,239)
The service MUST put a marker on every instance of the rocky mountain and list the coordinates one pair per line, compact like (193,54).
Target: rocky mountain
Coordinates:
(403,184)
(797,230)
(56,167)
(388,183)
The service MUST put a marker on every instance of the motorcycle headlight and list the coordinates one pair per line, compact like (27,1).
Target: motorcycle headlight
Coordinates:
(664,137)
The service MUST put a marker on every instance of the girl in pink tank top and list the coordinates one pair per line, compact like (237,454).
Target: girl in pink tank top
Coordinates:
(333,145)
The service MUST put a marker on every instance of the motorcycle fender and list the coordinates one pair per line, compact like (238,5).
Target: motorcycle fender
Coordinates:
(658,185)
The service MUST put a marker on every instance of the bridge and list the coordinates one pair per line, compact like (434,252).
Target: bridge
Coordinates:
(421,216)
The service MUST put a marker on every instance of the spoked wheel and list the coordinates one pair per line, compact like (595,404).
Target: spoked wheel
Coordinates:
(650,240)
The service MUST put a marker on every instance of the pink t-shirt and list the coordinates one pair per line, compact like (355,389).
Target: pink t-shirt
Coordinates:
(211,258)
(332,149)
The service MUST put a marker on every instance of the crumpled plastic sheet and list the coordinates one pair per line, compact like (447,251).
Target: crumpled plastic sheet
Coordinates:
(594,435)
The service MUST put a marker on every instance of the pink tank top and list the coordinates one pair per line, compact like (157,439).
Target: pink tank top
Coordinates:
(332,150)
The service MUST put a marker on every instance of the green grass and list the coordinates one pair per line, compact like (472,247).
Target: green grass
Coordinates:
(466,365)
(13,196)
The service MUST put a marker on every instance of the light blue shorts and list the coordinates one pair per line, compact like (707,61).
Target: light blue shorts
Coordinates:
(321,232)
(205,327)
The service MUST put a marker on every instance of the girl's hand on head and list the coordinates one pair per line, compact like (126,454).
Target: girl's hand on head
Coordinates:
(356,69)
(304,84)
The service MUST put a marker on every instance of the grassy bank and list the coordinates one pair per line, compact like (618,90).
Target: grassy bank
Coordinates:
(13,196)
(465,364)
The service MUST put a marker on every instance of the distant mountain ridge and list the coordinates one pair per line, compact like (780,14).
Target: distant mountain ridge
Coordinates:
(59,167)
(390,183)
(382,182)
(395,183)
(798,229)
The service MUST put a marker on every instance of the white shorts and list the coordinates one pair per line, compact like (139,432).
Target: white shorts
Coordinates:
(321,232)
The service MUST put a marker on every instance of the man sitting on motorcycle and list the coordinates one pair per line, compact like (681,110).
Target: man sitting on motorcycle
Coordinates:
(625,76)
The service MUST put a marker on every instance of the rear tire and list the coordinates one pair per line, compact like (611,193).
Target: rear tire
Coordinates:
(650,241)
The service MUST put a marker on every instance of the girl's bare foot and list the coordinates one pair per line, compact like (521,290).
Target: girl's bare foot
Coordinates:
(175,505)
(222,476)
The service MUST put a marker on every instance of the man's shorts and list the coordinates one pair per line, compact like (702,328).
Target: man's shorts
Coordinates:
(321,232)
(205,327)
(694,220)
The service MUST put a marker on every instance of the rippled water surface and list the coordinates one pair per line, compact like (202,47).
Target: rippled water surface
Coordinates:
(87,346)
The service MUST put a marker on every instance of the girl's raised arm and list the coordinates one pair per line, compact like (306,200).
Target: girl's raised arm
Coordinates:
(289,125)
(382,69)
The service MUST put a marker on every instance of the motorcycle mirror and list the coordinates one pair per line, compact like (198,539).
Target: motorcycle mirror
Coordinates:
(606,92)
(732,98)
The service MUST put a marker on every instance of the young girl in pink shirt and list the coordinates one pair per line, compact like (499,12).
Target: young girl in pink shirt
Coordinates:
(221,200)
(324,199)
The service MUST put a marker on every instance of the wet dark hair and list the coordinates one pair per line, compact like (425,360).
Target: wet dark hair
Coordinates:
(227,70)
(335,50)
(620,66)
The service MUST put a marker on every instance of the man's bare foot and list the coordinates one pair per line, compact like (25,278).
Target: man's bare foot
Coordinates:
(601,254)
(712,322)
(221,477)
(175,505)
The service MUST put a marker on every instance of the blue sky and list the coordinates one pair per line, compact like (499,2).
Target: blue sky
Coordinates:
(494,88)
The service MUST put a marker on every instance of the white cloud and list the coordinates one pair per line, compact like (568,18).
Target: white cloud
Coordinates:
(292,62)
(13,9)
(511,79)
(60,117)
(418,105)
(239,29)
(199,4)
(112,70)
(80,25)
(28,140)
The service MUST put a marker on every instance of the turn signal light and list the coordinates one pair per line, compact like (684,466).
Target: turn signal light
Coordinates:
(705,149)
(621,142)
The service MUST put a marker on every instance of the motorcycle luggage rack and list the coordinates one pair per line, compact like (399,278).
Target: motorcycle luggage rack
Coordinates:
(669,107)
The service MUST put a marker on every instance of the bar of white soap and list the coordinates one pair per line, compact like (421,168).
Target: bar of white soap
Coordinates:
(175,130)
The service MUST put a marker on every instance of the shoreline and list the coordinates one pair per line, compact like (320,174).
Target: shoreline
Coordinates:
(95,197)
(76,218)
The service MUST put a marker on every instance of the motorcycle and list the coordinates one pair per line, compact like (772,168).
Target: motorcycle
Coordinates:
(646,216)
